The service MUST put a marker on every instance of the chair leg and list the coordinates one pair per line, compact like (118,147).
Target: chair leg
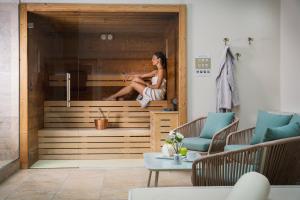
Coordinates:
(149,178)
(156,178)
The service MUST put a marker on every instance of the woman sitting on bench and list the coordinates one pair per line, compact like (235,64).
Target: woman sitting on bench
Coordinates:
(147,92)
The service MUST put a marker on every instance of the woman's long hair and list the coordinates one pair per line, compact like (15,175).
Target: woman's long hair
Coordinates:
(162,58)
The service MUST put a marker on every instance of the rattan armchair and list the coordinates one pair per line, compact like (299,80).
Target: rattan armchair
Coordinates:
(193,128)
(240,137)
(278,160)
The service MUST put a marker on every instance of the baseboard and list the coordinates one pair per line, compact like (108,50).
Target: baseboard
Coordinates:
(9,169)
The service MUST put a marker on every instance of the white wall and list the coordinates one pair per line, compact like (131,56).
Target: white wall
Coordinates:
(258,68)
(290,52)
(9,84)
(209,21)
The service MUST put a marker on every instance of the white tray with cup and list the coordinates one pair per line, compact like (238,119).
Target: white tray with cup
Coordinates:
(191,156)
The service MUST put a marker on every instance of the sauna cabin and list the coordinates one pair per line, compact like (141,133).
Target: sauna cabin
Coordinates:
(75,60)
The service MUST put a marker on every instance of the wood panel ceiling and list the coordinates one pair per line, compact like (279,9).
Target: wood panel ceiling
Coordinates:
(108,22)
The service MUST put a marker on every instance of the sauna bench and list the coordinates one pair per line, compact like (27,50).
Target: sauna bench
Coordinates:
(90,143)
(70,133)
(81,114)
(110,143)
(161,123)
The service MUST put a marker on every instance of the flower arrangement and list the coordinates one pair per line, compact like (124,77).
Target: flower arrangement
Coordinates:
(175,140)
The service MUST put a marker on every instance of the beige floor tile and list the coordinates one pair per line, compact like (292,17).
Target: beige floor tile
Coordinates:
(31,195)
(12,183)
(84,183)
(78,195)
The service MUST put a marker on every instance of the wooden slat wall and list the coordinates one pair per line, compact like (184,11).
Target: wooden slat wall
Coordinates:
(89,143)
(59,80)
(121,114)
(95,74)
(161,124)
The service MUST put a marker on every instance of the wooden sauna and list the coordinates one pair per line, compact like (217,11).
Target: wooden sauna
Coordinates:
(77,56)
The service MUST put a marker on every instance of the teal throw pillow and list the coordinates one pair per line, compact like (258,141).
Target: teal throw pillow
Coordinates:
(295,118)
(268,120)
(216,122)
(290,130)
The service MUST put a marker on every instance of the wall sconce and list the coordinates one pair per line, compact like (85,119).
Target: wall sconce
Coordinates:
(110,36)
(106,36)
(103,36)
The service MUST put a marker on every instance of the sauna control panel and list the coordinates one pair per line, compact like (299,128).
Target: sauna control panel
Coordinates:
(203,66)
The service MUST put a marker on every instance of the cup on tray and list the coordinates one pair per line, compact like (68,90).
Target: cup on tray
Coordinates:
(192,155)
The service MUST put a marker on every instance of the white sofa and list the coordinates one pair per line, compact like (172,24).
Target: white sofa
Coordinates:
(205,193)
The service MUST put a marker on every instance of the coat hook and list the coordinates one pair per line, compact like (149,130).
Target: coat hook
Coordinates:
(250,40)
(226,40)
(237,56)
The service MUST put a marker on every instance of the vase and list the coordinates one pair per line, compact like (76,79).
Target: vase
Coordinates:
(177,158)
(167,150)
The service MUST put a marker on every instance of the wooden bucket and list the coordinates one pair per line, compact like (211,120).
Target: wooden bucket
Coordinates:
(101,124)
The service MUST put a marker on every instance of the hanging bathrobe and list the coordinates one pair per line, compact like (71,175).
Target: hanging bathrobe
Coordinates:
(227,93)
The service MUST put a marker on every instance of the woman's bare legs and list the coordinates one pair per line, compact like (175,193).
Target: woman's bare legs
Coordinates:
(126,90)
(139,80)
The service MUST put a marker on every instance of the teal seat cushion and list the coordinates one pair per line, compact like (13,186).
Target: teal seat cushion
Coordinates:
(290,130)
(268,120)
(295,118)
(233,147)
(216,122)
(196,143)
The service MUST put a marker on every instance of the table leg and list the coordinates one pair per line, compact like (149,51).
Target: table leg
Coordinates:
(156,178)
(149,178)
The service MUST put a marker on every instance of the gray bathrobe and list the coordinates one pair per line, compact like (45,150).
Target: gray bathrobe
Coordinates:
(227,93)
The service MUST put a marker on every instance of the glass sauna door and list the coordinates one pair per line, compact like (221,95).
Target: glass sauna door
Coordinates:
(59,54)
(62,67)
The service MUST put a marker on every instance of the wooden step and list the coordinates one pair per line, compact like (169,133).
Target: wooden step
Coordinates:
(89,143)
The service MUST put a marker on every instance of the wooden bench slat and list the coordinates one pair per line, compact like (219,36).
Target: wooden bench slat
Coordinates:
(106,83)
(103,108)
(91,125)
(91,145)
(70,109)
(105,103)
(109,132)
(94,139)
(93,151)
(96,115)
(91,120)
(91,157)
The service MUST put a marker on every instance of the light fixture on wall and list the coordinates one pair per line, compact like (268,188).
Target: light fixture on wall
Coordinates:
(103,36)
(106,36)
(110,36)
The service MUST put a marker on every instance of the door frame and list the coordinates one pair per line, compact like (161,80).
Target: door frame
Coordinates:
(31,7)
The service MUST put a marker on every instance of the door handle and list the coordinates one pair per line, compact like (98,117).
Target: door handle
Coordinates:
(68,88)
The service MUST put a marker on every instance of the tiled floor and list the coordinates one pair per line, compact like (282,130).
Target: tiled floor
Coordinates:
(83,183)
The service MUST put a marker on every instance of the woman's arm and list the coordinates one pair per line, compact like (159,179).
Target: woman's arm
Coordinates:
(160,75)
(148,75)
(130,77)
